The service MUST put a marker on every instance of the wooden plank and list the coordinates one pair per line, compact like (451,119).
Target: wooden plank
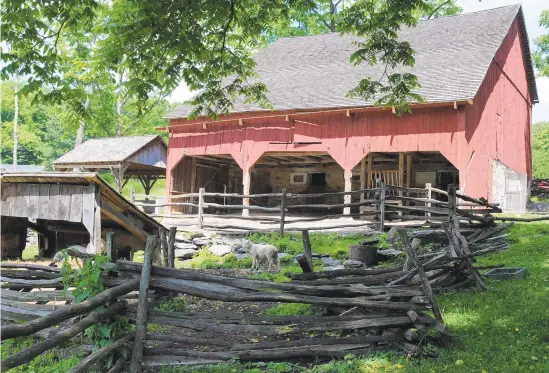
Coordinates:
(369,175)
(283,203)
(34,198)
(401,169)
(44,201)
(76,203)
(307,248)
(7,191)
(88,201)
(141,320)
(408,169)
(362,177)
(54,202)
(64,206)
(20,201)
(171,247)
(123,220)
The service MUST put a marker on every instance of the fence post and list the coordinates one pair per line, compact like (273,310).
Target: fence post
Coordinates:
(132,195)
(381,206)
(141,318)
(164,245)
(452,201)
(429,195)
(171,247)
(224,192)
(110,246)
(200,207)
(282,211)
(307,250)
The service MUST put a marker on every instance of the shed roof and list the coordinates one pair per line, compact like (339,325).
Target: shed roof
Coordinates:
(109,150)
(452,57)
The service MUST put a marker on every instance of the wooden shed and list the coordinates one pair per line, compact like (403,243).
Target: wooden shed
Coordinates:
(69,208)
(141,157)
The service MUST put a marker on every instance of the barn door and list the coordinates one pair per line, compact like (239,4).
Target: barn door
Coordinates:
(515,192)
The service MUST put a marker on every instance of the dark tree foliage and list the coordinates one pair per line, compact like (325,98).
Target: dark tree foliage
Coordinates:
(208,44)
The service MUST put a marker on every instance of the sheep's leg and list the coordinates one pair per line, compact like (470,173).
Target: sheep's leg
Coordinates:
(253,263)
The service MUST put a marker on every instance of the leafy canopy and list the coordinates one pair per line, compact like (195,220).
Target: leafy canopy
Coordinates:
(68,47)
(541,55)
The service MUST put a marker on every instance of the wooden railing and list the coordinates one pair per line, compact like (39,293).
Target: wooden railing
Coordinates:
(385,202)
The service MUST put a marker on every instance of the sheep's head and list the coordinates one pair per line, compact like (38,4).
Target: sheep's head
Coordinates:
(246,245)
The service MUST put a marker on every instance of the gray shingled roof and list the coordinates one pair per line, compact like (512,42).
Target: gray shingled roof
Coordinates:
(452,57)
(108,149)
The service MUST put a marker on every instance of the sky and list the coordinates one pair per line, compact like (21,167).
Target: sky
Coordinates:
(532,10)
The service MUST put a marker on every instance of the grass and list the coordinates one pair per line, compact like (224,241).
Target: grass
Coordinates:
(159,188)
(503,330)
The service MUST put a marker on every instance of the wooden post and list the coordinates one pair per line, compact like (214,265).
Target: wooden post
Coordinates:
(362,179)
(429,195)
(201,192)
(381,206)
(307,248)
(369,171)
(246,191)
(224,192)
(96,239)
(141,319)
(424,282)
(348,174)
(164,245)
(408,170)
(171,247)
(111,250)
(452,201)
(401,169)
(132,195)
(282,211)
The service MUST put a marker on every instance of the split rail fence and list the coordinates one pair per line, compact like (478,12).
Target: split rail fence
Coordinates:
(376,206)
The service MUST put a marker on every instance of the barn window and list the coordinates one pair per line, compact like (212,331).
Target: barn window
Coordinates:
(298,178)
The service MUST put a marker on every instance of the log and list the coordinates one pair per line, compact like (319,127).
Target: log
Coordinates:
(37,267)
(37,296)
(188,340)
(20,330)
(19,314)
(29,274)
(141,320)
(30,353)
(86,363)
(343,272)
(173,285)
(364,280)
(304,263)
(34,283)
(307,251)
(118,365)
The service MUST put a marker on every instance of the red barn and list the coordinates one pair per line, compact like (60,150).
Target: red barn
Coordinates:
(472,129)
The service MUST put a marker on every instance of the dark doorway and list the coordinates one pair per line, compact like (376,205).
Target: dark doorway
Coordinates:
(318,179)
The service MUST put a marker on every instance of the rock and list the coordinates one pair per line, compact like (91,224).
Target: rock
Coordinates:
(220,250)
(241,250)
(197,235)
(242,256)
(185,253)
(318,256)
(352,264)
(389,253)
(283,255)
(201,241)
(180,245)
(330,262)
(341,266)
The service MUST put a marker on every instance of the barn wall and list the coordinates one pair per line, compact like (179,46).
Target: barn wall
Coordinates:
(153,155)
(496,126)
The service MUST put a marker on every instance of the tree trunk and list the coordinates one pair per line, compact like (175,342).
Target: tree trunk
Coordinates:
(15,123)
(119,104)
(82,125)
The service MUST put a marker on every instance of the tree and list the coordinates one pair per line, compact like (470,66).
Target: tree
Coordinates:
(540,150)
(15,122)
(207,44)
(541,55)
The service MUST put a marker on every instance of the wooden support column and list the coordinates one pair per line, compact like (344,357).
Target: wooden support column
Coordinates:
(201,207)
(429,195)
(111,250)
(347,174)
(307,250)
(95,238)
(362,178)
(246,190)
(408,170)
(171,247)
(401,169)
(369,171)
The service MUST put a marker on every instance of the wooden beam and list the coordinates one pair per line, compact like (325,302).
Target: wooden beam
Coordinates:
(370,164)
(401,169)
(362,177)
(123,220)
(408,169)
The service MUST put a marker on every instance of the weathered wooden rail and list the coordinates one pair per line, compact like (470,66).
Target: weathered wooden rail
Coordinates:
(384,203)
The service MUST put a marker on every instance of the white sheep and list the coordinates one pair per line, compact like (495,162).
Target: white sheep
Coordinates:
(260,252)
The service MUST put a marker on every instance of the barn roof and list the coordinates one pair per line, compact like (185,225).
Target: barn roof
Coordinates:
(452,56)
(110,150)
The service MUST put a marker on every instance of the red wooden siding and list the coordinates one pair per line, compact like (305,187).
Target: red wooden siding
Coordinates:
(496,126)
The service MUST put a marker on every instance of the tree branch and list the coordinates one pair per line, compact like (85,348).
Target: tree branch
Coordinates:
(438,8)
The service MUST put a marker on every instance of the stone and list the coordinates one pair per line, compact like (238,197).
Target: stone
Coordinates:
(220,250)
(242,256)
(197,235)
(318,256)
(283,255)
(201,241)
(241,250)
(185,253)
(330,262)
(341,266)
(180,245)
(353,264)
